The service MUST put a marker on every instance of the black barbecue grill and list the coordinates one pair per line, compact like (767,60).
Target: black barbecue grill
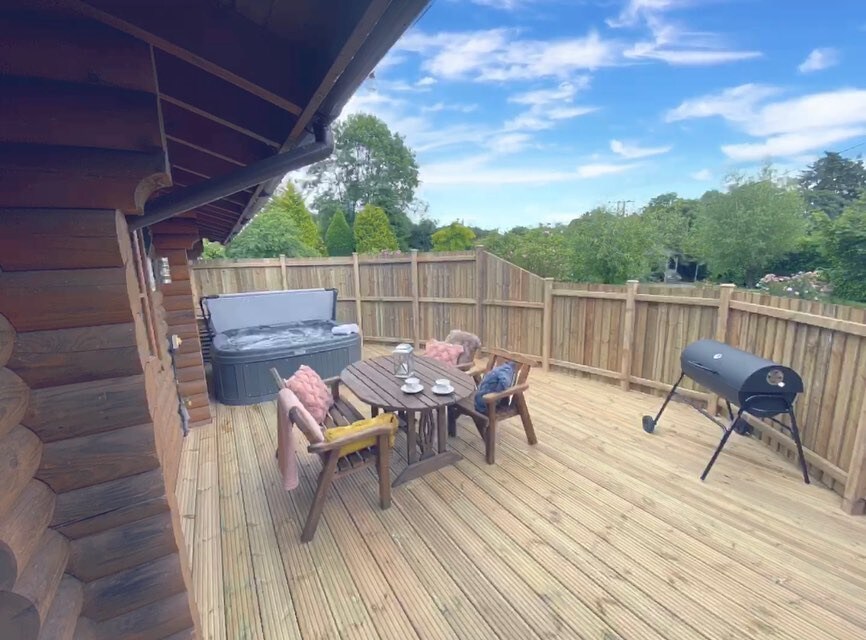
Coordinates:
(757,386)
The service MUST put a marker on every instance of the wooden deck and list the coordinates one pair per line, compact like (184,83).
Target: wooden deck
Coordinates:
(600,531)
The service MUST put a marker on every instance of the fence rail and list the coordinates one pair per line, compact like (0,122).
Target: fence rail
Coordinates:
(629,335)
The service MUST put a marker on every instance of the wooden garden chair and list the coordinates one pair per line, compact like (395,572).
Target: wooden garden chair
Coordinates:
(345,455)
(500,406)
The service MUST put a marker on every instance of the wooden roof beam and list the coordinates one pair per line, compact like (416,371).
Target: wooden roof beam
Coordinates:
(215,40)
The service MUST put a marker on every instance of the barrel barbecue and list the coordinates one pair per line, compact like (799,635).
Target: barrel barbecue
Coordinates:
(759,387)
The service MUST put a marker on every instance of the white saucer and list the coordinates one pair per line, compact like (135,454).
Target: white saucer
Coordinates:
(407,389)
(442,391)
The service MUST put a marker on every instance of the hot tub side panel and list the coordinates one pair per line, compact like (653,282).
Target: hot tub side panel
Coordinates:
(240,380)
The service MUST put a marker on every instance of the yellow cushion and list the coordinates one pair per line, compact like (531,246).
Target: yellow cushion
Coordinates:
(382,419)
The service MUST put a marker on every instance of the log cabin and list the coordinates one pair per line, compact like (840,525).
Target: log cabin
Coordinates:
(129,131)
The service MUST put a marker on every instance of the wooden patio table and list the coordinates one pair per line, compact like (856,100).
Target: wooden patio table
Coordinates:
(374,382)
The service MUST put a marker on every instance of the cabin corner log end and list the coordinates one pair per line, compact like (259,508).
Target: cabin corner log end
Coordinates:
(629,335)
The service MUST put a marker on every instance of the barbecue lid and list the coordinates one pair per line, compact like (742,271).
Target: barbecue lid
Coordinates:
(738,369)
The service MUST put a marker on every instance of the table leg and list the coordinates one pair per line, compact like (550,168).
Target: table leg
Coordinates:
(423,429)
(411,435)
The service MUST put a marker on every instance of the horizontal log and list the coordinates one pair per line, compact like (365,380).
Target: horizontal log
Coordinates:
(64,177)
(81,462)
(7,340)
(83,408)
(184,316)
(99,507)
(176,241)
(178,303)
(64,299)
(179,272)
(92,53)
(14,398)
(183,360)
(41,578)
(173,227)
(35,239)
(21,529)
(835,324)
(156,621)
(179,288)
(200,415)
(62,616)
(121,548)
(194,387)
(580,293)
(198,400)
(109,336)
(683,300)
(190,374)
(40,370)
(37,111)
(176,257)
(20,452)
(125,591)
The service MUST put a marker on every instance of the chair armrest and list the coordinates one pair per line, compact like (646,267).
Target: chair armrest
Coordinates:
(510,391)
(339,443)
(334,383)
(466,366)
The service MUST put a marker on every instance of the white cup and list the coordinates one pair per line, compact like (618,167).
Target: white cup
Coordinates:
(412,382)
(443,383)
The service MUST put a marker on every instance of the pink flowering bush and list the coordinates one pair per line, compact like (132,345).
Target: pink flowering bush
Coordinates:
(806,285)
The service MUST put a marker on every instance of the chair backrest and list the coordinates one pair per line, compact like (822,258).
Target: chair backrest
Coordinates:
(523,363)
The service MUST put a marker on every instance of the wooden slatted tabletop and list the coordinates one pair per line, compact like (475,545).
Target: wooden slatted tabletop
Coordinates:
(373,381)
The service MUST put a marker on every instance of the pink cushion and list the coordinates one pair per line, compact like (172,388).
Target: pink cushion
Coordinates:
(443,351)
(312,392)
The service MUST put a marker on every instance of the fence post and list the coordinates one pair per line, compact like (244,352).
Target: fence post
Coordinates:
(725,292)
(356,276)
(416,320)
(547,320)
(480,275)
(628,333)
(283,273)
(855,486)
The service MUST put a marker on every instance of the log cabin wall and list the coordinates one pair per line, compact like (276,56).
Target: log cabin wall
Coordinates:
(90,435)
(173,240)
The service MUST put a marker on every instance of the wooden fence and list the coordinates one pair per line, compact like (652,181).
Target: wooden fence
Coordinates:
(630,335)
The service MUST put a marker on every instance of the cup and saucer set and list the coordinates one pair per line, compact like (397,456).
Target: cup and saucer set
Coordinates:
(441,387)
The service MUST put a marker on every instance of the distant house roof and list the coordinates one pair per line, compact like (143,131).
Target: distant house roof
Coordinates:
(240,81)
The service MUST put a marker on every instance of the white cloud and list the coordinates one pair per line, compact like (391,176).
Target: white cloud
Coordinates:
(503,5)
(791,144)
(603,169)
(500,55)
(510,142)
(548,106)
(787,127)
(447,106)
(633,151)
(635,11)
(426,81)
(819,59)
(704,175)
(542,97)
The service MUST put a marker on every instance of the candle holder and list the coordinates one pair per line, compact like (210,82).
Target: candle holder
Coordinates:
(404,361)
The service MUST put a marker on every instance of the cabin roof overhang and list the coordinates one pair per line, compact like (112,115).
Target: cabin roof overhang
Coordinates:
(240,82)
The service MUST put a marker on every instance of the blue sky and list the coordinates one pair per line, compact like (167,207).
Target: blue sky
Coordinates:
(534,111)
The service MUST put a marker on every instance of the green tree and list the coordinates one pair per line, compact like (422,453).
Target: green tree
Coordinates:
(671,219)
(370,165)
(454,237)
(610,247)
(212,250)
(741,232)
(339,238)
(844,246)
(271,233)
(290,201)
(543,250)
(372,231)
(421,235)
(832,182)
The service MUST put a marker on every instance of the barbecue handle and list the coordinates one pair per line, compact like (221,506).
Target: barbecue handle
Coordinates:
(700,366)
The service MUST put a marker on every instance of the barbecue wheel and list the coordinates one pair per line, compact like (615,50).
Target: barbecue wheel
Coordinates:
(742,427)
(649,425)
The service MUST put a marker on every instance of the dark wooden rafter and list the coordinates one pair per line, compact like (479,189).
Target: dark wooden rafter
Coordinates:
(190,34)
(199,162)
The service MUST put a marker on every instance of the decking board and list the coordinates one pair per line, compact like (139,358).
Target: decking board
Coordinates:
(599,531)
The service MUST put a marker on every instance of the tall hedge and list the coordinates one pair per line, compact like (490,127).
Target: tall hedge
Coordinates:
(373,233)
(339,239)
(291,202)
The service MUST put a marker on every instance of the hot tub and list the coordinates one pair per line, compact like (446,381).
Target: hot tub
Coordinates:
(253,332)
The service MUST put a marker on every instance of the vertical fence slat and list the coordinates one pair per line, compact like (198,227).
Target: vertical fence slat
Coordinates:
(416,307)
(356,277)
(284,275)
(725,292)
(546,322)
(855,487)
(480,281)
(628,332)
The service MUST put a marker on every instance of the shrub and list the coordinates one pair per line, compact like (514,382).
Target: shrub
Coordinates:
(372,231)
(806,285)
(339,239)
